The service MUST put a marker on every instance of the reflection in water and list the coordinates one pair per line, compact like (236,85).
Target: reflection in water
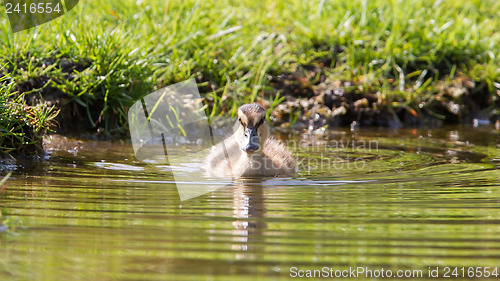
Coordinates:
(423,198)
(249,210)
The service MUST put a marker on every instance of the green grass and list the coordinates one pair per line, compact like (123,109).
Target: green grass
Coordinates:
(103,55)
(22,127)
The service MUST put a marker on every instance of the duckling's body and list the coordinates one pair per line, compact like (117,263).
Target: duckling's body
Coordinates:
(249,151)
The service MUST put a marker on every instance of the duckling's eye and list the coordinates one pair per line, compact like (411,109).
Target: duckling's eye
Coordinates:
(239,119)
(261,121)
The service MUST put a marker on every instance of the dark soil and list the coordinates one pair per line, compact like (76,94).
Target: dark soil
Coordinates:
(345,103)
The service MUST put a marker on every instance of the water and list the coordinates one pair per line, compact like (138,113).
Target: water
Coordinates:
(414,199)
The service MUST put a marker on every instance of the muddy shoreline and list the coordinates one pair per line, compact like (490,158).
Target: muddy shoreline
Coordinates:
(331,104)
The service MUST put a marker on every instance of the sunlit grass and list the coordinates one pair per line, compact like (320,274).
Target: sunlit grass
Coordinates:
(104,55)
(22,127)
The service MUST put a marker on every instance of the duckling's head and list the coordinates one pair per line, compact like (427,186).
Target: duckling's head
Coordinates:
(253,129)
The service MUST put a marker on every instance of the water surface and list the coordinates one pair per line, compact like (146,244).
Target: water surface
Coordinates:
(393,199)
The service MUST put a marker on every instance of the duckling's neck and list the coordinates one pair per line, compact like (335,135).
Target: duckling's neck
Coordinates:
(251,163)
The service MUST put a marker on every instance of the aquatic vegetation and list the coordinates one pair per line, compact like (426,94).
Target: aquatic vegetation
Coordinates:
(408,59)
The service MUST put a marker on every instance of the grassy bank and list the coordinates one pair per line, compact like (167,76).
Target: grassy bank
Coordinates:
(22,127)
(369,61)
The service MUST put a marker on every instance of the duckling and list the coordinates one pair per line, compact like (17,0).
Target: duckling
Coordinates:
(250,151)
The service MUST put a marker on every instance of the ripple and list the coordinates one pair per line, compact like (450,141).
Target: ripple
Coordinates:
(417,202)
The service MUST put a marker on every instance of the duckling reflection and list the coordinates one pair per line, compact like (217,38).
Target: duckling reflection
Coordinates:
(250,151)
(248,210)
